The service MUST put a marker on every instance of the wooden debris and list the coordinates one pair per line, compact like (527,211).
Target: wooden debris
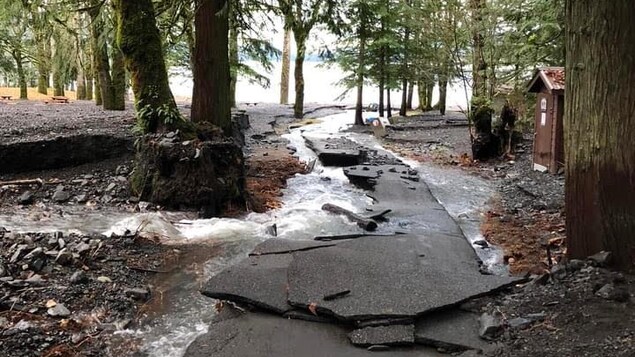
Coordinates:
(363,222)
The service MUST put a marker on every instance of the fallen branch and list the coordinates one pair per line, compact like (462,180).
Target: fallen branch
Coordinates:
(38,182)
(363,222)
(354,236)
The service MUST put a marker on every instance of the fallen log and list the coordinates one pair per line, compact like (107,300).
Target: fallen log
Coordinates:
(38,182)
(380,216)
(354,236)
(363,222)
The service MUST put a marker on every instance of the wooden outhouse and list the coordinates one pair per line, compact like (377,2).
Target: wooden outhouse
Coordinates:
(548,153)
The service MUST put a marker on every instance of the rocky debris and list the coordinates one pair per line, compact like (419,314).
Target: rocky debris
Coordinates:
(586,306)
(58,310)
(26,198)
(139,294)
(601,259)
(50,295)
(491,326)
(101,187)
(61,196)
(611,292)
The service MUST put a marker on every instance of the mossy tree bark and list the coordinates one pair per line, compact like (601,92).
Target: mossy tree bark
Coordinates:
(118,75)
(234,61)
(140,42)
(484,145)
(18,57)
(43,55)
(102,62)
(210,100)
(599,107)
(300,44)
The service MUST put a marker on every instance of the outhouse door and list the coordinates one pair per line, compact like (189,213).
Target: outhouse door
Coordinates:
(543,132)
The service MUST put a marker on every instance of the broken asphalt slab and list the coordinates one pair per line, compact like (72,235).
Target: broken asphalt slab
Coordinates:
(258,280)
(398,188)
(256,334)
(337,152)
(453,330)
(388,277)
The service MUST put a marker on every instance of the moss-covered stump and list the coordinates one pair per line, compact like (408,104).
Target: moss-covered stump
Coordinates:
(205,175)
(485,145)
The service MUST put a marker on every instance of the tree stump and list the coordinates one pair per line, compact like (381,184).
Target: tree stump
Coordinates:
(205,175)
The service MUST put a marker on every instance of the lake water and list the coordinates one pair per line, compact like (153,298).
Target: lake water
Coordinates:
(320,87)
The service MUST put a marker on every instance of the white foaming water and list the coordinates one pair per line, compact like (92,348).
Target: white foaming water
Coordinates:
(301,217)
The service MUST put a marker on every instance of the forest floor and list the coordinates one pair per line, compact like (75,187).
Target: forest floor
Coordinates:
(573,309)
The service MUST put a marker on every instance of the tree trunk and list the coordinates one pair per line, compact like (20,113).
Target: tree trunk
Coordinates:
(58,83)
(411,94)
(479,66)
(361,59)
(404,68)
(404,98)
(382,81)
(43,68)
(101,60)
(81,84)
(286,66)
(234,60)
(97,86)
(423,95)
(388,104)
(118,78)
(210,101)
(429,93)
(600,157)
(17,56)
(300,43)
(443,93)
(140,42)
(89,87)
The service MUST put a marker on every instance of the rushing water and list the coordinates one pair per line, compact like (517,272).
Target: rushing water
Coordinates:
(184,313)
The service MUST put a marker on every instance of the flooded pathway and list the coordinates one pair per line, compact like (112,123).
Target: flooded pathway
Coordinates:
(181,313)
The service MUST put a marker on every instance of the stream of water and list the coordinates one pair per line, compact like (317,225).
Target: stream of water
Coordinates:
(185,313)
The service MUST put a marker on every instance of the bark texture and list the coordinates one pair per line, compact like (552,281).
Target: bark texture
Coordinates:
(210,101)
(140,42)
(600,122)
(300,43)
(286,67)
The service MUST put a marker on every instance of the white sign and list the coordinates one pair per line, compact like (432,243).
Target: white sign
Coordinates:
(543,119)
(543,104)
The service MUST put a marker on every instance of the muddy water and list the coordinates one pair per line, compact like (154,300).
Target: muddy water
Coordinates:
(179,313)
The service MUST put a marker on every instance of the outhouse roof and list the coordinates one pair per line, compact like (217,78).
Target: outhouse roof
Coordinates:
(552,78)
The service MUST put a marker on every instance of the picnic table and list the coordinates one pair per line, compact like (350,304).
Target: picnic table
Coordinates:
(5,97)
(59,99)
